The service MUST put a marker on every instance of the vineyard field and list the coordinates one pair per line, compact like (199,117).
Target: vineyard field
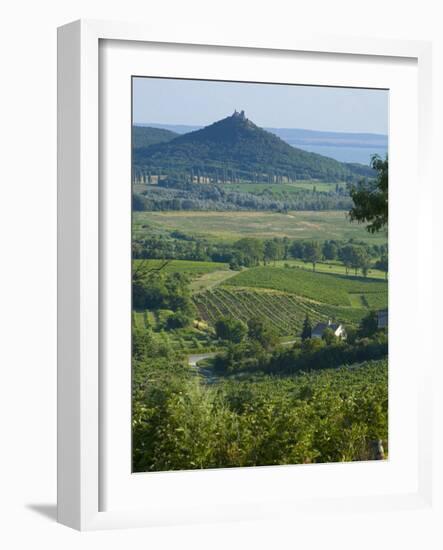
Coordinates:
(322,287)
(284,311)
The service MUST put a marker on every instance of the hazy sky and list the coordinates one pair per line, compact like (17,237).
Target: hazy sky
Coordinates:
(198,102)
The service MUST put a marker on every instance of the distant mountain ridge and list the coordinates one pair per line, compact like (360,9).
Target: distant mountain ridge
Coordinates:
(235,148)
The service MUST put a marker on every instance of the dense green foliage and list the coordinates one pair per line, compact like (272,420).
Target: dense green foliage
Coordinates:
(250,251)
(371,198)
(173,194)
(231,329)
(327,416)
(144,136)
(312,354)
(154,289)
(262,331)
(235,149)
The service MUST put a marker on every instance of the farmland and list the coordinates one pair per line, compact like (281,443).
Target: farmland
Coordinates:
(230,226)
(283,296)
(283,292)
(321,287)
(285,311)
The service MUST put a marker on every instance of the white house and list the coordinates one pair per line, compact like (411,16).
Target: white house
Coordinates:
(337,328)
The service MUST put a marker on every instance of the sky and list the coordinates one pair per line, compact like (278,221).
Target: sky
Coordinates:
(198,102)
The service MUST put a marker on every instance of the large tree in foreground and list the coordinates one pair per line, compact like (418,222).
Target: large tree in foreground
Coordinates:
(371,198)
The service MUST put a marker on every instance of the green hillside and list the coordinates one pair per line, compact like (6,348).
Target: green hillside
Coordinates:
(235,149)
(321,287)
(144,136)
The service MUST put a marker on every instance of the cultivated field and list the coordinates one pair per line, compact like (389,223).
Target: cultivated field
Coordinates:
(321,287)
(231,226)
(284,311)
(281,295)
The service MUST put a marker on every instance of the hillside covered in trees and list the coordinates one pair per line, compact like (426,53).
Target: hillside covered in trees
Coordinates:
(234,149)
(144,136)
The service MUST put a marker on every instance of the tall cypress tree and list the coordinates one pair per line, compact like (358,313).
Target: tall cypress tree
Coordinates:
(307,329)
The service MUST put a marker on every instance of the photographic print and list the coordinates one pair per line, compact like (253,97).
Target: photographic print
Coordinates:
(259,274)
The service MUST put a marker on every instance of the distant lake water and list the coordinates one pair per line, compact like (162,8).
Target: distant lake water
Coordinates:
(345,154)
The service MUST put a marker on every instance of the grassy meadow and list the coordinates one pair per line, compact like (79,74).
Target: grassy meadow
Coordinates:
(231,226)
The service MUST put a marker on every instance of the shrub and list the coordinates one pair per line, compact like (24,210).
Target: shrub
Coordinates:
(230,329)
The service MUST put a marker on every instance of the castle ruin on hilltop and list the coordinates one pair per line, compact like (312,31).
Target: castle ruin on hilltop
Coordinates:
(241,115)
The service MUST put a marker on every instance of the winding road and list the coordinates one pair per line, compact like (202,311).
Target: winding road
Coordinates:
(195,358)
(193,361)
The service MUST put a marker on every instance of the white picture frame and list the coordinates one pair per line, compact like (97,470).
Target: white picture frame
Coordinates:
(81,210)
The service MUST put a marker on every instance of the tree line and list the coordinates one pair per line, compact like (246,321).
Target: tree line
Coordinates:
(251,251)
(175,195)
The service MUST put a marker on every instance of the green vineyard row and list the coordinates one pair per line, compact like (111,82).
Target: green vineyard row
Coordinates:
(285,312)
